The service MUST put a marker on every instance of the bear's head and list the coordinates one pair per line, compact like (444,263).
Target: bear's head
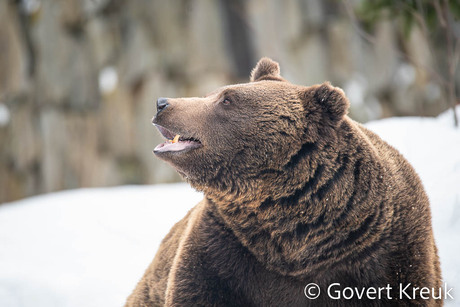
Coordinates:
(241,137)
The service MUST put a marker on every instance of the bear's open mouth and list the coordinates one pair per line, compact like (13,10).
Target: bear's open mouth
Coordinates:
(175,142)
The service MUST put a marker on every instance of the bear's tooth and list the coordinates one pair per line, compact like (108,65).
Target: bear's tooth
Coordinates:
(176,138)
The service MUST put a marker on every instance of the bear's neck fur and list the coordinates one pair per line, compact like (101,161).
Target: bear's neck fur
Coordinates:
(333,214)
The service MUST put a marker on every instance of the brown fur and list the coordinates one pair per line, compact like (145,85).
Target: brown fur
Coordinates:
(295,192)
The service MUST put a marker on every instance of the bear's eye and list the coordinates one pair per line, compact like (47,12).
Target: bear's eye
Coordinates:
(226,101)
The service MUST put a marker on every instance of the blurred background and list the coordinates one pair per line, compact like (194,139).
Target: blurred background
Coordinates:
(79,78)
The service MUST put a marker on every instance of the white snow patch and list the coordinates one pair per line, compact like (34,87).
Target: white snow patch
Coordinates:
(108,80)
(355,89)
(30,7)
(90,247)
(4,115)
(405,75)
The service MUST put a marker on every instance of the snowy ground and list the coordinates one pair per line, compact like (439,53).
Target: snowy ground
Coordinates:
(89,247)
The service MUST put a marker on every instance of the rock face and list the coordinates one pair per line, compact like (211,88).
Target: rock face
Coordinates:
(78,78)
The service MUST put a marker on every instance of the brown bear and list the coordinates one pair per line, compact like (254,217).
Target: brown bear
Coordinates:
(296,193)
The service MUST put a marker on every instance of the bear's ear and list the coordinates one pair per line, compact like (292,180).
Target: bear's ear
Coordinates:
(331,101)
(266,69)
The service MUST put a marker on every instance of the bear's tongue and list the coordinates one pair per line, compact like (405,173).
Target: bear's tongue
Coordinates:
(167,146)
(175,145)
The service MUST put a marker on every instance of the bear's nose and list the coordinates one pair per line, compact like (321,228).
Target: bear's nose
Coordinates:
(162,103)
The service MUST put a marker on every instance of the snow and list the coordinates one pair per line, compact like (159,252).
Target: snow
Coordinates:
(4,115)
(30,7)
(90,247)
(85,247)
(108,80)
